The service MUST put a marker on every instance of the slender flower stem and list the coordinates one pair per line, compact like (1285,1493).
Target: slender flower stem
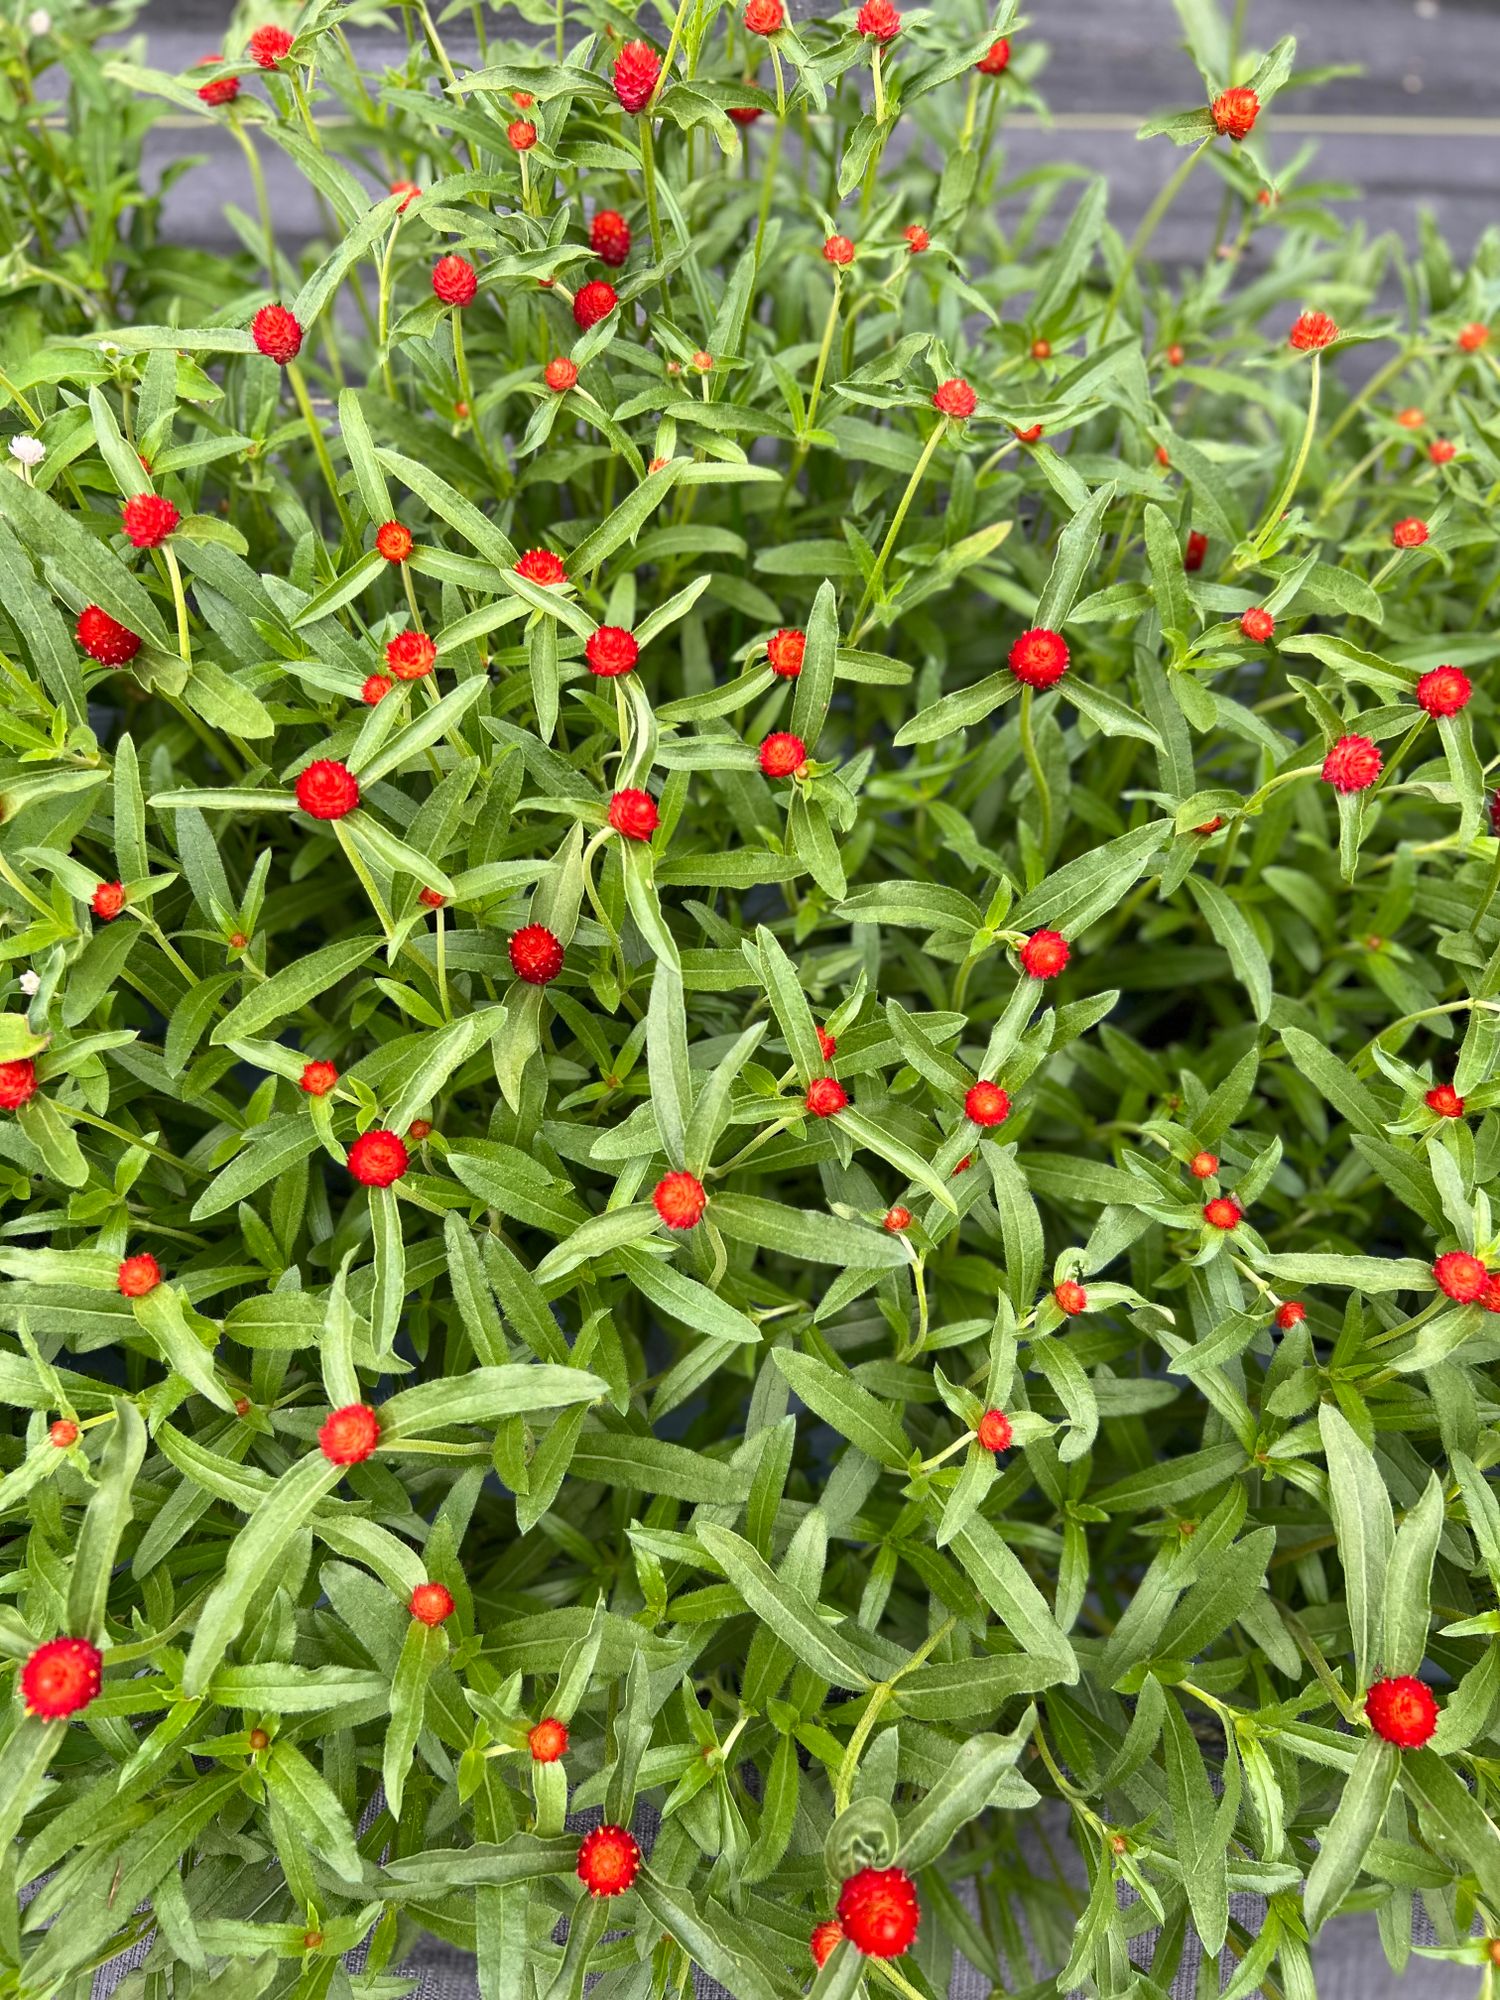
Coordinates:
(383,310)
(877,575)
(1283,499)
(1149,224)
(179,598)
(648,172)
(1034,766)
(768,185)
(320,449)
(829,326)
(262,199)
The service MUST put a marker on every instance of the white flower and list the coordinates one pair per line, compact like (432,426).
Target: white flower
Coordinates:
(40,23)
(29,982)
(28,451)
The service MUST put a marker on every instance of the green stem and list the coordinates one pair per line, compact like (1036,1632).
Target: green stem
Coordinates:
(768,186)
(877,575)
(262,199)
(1034,766)
(829,327)
(1283,499)
(648,172)
(1149,224)
(320,449)
(179,598)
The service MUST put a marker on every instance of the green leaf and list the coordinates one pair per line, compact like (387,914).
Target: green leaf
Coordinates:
(1346,1839)
(1365,1532)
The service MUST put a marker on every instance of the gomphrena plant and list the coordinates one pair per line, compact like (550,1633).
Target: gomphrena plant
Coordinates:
(754,988)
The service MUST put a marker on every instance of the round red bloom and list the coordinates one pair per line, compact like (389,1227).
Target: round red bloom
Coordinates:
(679,1200)
(377,1158)
(1410,420)
(1257,624)
(17,1083)
(541,566)
(376,687)
(634,814)
(896,1219)
(878,21)
(418,1130)
(522,99)
(994,1431)
(1444,691)
(1039,658)
(594,301)
(1402,1711)
(268,46)
(350,1435)
(838,250)
(1196,550)
(609,234)
(318,1078)
(1445,1101)
(1031,434)
(1352,764)
(637,71)
(560,374)
(963,1166)
(1223,1212)
(547,1740)
(917,239)
(1176,355)
(1070,1297)
(1312,330)
(878,1909)
(61,1677)
(138,1275)
(1235,112)
(1409,534)
(764,17)
(108,900)
(825,1096)
(393,541)
(410,655)
(1203,1166)
(609,1857)
(986,1104)
(1210,825)
(823,1941)
(1442,451)
(62,1432)
(223,90)
(1473,336)
(782,755)
(1290,1313)
(431,899)
(1041,350)
(1045,954)
(455,280)
(535,955)
(827,1044)
(431,1603)
(277,333)
(1489,1298)
(408,191)
(327,789)
(611,651)
(1163,456)
(148,519)
(955,398)
(521,134)
(995,59)
(105,639)
(1461,1276)
(785,650)
(744,114)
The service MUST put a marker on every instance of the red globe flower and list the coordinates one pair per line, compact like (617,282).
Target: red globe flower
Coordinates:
(917,239)
(1203,1166)
(376,687)
(105,639)
(17,1083)
(393,541)
(350,1435)
(1473,336)
(1041,350)
(560,374)
(764,17)
(223,89)
(418,1130)
(826,1937)
(431,899)
(108,900)
(1045,954)
(986,1104)
(431,1603)
(1196,550)
(148,519)
(62,1432)
(878,1909)
(1176,355)
(1312,330)
(594,301)
(278,334)
(609,234)
(1445,1101)
(522,134)
(1409,534)
(826,1096)
(317,1078)
(1352,764)
(608,1860)
(454,280)
(634,814)
(1257,624)
(1039,658)
(679,1200)
(1489,1298)
(1461,1276)
(611,651)
(327,789)
(637,71)
(1444,691)
(896,1220)
(1235,112)
(138,1275)
(1442,451)
(878,21)
(1223,1212)
(268,46)
(536,956)
(1031,435)
(378,1158)
(1070,1297)
(955,398)
(410,655)
(838,250)
(547,1740)
(61,1677)
(994,1431)
(408,191)
(785,651)
(782,755)
(744,114)
(996,58)
(1290,1313)
(827,1044)
(542,566)
(1410,420)
(1402,1711)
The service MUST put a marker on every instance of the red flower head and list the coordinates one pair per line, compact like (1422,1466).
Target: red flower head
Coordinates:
(455,280)
(268,46)
(408,191)
(393,541)
(679,1200)
(608,1858)
(1210,825)
(1444,691)
(1410,420)
(1352,765)
(785,650)
(418,1130)
(1041,350)
(896,1220)
(108,900)
(431,1603)
(878,1909)
(634,814)
(521,134)
(878,21)
(541,566)
(1402,1711)
(1445,1101)
(1070,1297)
(1442,451)
(1473,336)
(410,655)
(826,1096)
(827,1044)
(535,955)
(138,1275)
(350,1435)
(594,301)
(1489,1298)
(17,1083)
(377,1158)
(994,1431)
(1461,1276)
(522,99)
(963,1166)
(955,398)
(317,1078)
(105,639)
(1223,1212)
(327,789)
(1039,658)
(838,250)
(1235,112)
(1257,624)
(1031,435)
(431,899)
(1176,355)
(1163,456)
(995,59)
(764,17)
(548,1740)
(1196,550)
(1409,534)
(376,687)
(223,90)
(61,1677)
(1045,954)
(611,651)
(986,1104)
(744,114)
(1312,330)
(1203,1166)
(148,519)
(825,1938)
(62,1432)
(1290,1313)
(609,233)
(560,374)
(278,334)
(637,71)
(782,755)
(917,239)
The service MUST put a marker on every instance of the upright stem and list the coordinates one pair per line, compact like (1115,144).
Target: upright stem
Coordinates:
(1034,766)
(262,199)
(320,448)
(1148,228)
(179,598)
(648,171)
(823,352)
(877,575)
(768,185)
(1283,499)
